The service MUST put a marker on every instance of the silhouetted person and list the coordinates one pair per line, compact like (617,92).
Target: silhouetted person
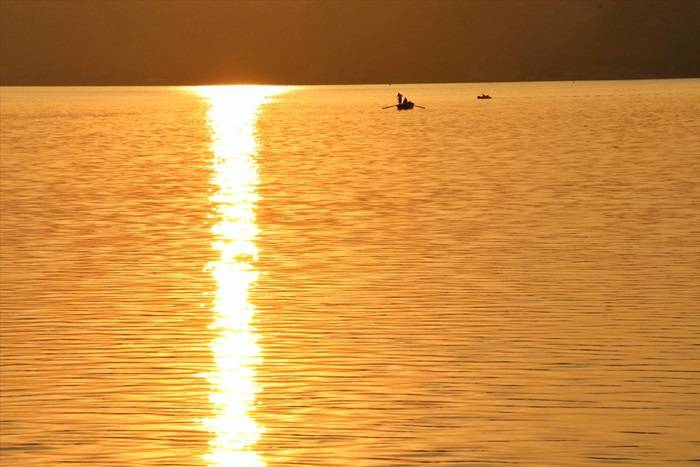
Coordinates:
(399,96)
(405,100)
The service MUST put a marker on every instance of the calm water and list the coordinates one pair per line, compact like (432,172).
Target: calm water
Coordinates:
(293,276)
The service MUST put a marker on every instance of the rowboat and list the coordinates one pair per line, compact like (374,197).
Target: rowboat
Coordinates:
(405,105)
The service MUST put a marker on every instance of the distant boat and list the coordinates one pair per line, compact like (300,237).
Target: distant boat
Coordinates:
(483,96)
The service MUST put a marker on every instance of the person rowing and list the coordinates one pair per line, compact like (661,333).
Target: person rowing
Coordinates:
(402,103)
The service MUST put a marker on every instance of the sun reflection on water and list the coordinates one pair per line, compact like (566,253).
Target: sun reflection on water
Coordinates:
(232,114)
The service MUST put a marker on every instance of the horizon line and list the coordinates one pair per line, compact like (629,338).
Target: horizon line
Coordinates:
(244,83)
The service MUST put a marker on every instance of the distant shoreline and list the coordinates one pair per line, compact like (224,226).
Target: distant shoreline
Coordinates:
(169,84)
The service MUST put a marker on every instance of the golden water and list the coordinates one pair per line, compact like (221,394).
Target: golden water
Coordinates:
(271,276)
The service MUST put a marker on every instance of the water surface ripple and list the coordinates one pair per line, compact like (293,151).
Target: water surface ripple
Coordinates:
(503,282)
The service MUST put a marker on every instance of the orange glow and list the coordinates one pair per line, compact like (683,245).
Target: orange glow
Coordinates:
(232,114)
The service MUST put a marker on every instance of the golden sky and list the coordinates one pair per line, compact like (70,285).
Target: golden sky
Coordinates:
(378,41)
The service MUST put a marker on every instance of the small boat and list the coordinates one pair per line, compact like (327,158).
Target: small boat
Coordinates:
(405,105)
(483,96)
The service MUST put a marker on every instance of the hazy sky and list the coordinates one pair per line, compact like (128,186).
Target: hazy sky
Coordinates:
(199,42)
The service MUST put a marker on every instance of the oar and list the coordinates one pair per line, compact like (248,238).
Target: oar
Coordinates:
(388,106)
(419,106)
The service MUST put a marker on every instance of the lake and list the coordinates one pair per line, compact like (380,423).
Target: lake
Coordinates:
(277,276)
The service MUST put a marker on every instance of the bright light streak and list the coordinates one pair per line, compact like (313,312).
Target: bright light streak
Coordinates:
(232,114)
